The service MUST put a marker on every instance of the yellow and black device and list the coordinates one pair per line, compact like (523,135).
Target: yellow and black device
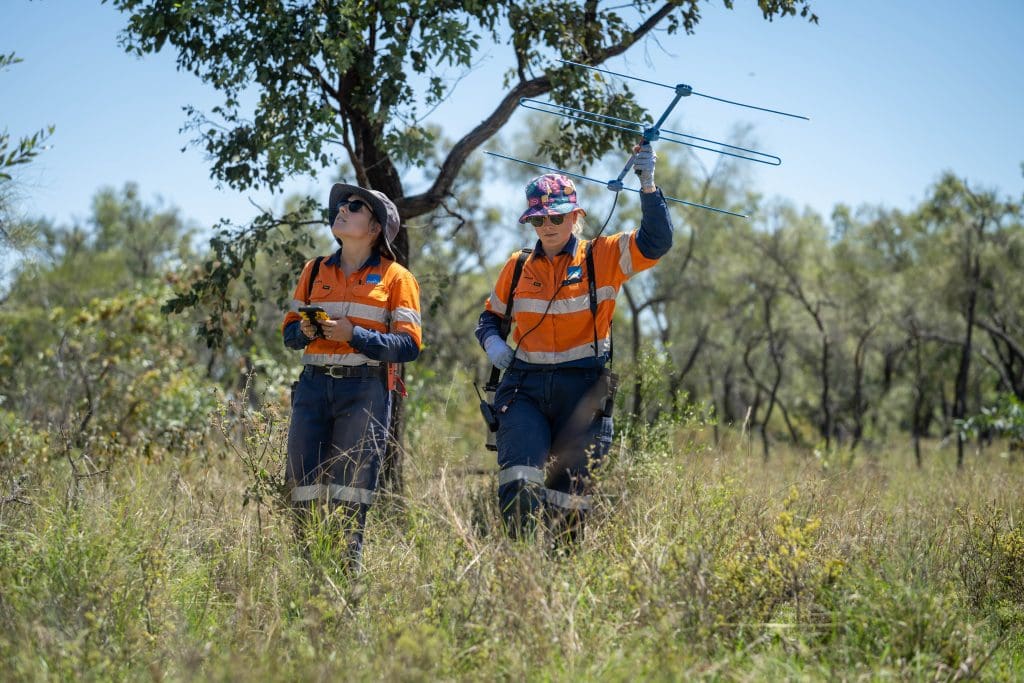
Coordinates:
(315,315)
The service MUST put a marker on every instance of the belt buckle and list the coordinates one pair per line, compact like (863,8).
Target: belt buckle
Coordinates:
(331,368)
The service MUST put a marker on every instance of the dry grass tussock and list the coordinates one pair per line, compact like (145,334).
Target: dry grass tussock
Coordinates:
(699,562)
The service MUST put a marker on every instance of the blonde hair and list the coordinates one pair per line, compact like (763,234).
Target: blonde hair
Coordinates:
(580,225)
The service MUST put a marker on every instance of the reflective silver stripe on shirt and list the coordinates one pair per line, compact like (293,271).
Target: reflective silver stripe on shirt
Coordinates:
(348,494)
(517,472)
(344,309)
(625,255)
(352,309)
(405,315)
(567,500)
(551,357)
(573,304)
(497,305)
(337,359)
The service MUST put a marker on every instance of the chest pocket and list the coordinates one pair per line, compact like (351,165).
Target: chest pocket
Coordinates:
(529,285)
(370,292)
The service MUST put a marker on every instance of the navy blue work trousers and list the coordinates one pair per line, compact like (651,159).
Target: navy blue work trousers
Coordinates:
(550,437)
(336,441)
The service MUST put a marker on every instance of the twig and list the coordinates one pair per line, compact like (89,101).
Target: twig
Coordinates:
(15,494)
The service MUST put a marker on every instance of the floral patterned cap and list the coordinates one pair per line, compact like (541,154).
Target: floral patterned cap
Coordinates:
(550,194)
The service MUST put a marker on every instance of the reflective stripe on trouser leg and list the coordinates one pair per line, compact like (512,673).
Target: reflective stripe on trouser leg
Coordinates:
(534,475)
(523,440)
(567,501)
(332,492)
(524,472)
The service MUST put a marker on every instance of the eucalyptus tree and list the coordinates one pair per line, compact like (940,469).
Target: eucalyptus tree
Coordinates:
(798,253)
(975,237)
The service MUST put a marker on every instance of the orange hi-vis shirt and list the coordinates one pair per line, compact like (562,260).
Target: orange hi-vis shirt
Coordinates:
(382,296)
(566,333)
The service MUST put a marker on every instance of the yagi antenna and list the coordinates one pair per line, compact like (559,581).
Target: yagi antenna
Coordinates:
(610,184)
(650,133)
(688,91)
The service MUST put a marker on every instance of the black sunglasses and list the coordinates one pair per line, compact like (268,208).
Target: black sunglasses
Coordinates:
(537,221)
(354,205)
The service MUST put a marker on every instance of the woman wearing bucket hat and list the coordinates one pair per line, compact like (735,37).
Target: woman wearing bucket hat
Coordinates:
(553,404)
(370,321)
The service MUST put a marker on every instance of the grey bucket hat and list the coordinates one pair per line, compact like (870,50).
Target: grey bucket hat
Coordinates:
(384,210)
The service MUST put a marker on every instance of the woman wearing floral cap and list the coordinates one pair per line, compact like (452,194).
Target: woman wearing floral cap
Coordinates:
(341,402)
(553,401)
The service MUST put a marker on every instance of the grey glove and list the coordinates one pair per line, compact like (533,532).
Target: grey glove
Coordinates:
(643,163)
(498,351)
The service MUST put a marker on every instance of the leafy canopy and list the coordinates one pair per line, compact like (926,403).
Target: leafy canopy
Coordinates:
(351,80)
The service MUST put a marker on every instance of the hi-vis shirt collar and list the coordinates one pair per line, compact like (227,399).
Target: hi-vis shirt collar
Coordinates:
(569,248)
(373,260)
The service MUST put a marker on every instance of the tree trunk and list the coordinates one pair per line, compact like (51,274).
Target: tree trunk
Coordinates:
(916,419)
(963,372)
(638,379)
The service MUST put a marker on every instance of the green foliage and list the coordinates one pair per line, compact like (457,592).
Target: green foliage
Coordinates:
(230,313)
(27,148)
(21,444)
(117,371)
(125,245)
(992,560)
(1005,418)
(87,357)
(25,151)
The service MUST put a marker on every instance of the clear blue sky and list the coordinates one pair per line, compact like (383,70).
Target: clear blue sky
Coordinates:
(897,91)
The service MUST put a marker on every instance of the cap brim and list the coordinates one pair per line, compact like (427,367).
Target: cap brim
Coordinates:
(550,210)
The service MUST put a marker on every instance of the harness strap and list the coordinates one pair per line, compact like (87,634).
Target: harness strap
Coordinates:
(592,286)
(506,322)
(312,277)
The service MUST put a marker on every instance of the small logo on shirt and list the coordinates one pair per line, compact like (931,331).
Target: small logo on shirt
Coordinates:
(573,275)
(373,279)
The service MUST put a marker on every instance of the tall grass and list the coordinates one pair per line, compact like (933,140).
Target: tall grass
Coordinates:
(700,562)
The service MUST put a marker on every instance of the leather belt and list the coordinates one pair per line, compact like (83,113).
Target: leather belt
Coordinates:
(341,371)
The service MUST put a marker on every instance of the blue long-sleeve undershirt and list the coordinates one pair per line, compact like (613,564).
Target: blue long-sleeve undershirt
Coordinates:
(654,238)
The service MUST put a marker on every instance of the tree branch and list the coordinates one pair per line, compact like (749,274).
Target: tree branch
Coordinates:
(417,205)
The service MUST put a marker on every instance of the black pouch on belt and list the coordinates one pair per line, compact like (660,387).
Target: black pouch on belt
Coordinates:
(609,381)
(490,415)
